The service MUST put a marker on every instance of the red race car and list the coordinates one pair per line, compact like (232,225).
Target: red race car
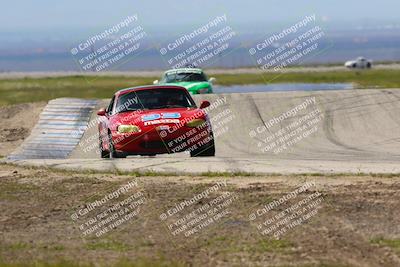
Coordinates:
(152,120)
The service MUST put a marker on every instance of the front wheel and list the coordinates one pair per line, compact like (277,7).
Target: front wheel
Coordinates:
(103,153)
(112,153)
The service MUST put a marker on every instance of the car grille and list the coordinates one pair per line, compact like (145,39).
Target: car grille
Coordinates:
(154,144)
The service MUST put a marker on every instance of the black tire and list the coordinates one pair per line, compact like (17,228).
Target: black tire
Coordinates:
(369,65)
(207,150)
(112,153)
(103,153)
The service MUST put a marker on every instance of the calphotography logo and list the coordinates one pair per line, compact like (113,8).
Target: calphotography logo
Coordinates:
(110,212)
(290,46)
(282,132)
(201,46)
(111,47)
(198,213)
(201,137)
(273,220)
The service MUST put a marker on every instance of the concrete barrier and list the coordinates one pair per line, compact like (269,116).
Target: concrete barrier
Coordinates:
(58,131)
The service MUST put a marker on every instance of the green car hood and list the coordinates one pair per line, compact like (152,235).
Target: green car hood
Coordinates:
(193,87)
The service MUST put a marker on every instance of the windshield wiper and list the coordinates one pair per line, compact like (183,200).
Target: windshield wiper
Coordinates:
(128,110)
(175,106)
(169,106)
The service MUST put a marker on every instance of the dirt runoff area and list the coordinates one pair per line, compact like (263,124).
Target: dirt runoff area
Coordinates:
(84,219)
(16,124)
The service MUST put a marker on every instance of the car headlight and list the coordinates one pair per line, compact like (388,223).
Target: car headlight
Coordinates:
(195,122)
(128,129)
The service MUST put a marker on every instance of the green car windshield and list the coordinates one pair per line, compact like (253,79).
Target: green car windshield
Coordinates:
(184,77)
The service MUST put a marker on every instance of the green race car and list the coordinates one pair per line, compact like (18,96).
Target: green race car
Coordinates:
(193,79)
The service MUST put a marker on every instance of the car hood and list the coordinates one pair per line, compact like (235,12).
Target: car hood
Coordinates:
(192,86)
(349,62)
(157,116)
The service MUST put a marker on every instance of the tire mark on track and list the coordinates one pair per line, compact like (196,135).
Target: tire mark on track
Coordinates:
(329,129)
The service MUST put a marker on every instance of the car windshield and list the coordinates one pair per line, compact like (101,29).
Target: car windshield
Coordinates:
(154,99)
(184,77)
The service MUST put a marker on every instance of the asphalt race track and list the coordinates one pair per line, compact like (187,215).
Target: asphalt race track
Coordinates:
(344,131)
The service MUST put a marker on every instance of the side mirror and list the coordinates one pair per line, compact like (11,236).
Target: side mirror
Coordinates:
(212,80)
(155,82)
(101,112)
(204,104)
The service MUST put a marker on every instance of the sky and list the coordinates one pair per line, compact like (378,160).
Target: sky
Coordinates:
(42,15)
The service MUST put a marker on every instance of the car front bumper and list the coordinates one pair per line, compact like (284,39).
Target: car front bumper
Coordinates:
(156,141)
